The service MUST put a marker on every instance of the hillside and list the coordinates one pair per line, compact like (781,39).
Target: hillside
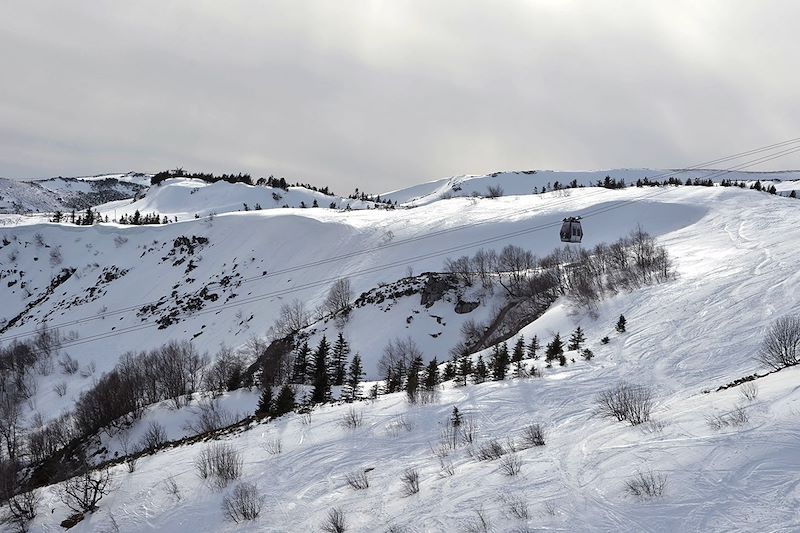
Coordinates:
(48,195)
(220,280)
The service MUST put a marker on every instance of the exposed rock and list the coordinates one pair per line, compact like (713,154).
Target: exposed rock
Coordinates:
(463,307)
(435,288)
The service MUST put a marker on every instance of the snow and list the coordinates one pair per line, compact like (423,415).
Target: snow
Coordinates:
(735,254)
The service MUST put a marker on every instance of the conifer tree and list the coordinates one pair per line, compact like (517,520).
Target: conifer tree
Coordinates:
(534,347)
(464,368)
(412,379)
(341,351)
(587,354)
(300,371)
(499,362)
(577,339)
(322,384)
(793,194)
(450,370)
(285,401)
(455,422)
(354,375)
(431,375)
(554,349)
(264,407)
(621,324)
(481,372)
(519,350)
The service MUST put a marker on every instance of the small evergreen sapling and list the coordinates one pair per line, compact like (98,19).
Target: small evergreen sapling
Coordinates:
(620,327)
(577,339)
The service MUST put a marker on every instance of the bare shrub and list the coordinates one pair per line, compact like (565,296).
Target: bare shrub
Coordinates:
(211,416)
(532,435)
(339,296)
(352,419)
(292,317)
(68,364)
(410,480)
(171,488)
(737,417)
(749,391)
(446,467)
(478,524)
(305,418)
(335,522)
(468,430)
(626,402)
(510,464)
(398,425)
(653,426)
(494,191)
(243,503)
(273,446)
(781,347)
(358,480)
(60,388)
(154,437)
(119,240)
(220,463)
(515,506)
(82,493)
(645,485)
(22,509)
(490,450)
(130,462)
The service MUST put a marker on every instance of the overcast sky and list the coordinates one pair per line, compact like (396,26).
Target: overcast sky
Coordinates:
(382,94)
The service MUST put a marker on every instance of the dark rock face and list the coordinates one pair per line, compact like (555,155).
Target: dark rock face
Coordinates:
(435,288)
(463,307)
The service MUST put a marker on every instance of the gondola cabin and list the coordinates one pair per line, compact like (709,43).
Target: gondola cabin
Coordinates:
(571,230)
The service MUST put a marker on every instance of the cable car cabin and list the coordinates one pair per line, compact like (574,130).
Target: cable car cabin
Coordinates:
(571,230)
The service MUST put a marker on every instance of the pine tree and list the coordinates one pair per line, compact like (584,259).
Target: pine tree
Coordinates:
(264,407)
(499,362)
(300,371)
(412,379)
(450,369)
(464,368)
(431,375)
(577,339)
(555,349)
(519,350)
(587,354)
(621,324)
(481,372)
(322,384)
(534,347)
(285,401)
(341,351)
(354,375)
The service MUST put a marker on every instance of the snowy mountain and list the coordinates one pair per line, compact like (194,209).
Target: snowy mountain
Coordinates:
(727,457)
(64,194)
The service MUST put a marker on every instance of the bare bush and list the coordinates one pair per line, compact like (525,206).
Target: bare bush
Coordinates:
(478,524)
(243,503)
(352,419)
(737,417)
(273,446)
(211,416)
(154,437)
(358,480)
(653,426)
(335,522)
(68,364)
(171,488)
(398,425)
(130,463)
(510,464)
(468,430)
(82,493)
(781,347)
(220,463)
(749,391)
(55,257)
(446,467)
(22,509)
(60,388)
(490,450)
(532,435)
(516,506)
(339,297)
(292,317)
(494,191)
(410,480)
(645,485)
(626,402)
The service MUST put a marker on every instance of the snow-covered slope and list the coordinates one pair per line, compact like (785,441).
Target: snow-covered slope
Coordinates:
(184,198)
(535,181)
(53,194)
(735,255)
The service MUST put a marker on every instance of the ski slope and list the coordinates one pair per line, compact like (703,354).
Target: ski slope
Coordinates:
(735,255)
